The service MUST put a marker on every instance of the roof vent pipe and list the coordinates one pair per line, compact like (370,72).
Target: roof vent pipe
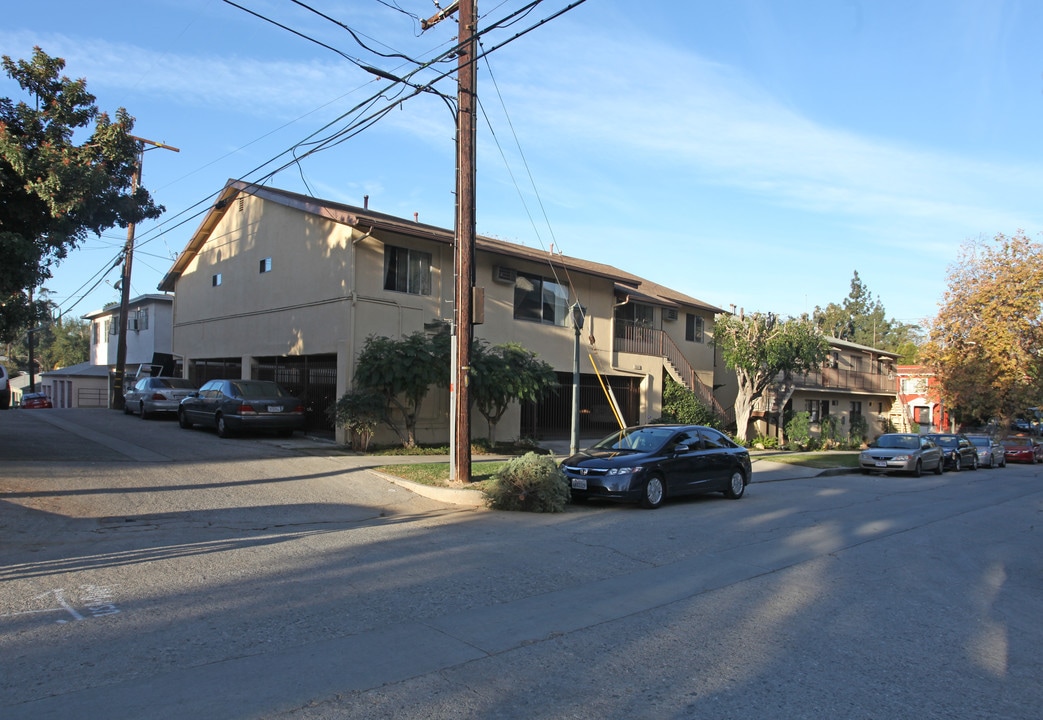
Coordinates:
(365,202)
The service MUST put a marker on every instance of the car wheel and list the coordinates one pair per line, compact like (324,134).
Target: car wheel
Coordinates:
(736,486)
(222,427)
(654,492)
(1003,461)
(126,408)
(974,463)
(939,469)
(144,415)
(918,470)
(182,420)
(956,463)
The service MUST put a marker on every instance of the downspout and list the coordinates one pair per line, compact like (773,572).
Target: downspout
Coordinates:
(353,296)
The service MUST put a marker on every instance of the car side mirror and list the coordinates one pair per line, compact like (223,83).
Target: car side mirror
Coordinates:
(681,448)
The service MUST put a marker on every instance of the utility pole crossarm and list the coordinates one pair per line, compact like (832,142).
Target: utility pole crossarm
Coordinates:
(440,16)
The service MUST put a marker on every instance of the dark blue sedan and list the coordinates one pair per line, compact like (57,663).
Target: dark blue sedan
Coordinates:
(648,463)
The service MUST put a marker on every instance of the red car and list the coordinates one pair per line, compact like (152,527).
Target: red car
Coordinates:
(35,401)
(1022,450)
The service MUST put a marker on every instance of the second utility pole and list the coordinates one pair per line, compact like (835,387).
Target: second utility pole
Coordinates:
(117,389)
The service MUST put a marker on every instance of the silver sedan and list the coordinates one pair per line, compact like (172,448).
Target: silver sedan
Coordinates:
(902,452)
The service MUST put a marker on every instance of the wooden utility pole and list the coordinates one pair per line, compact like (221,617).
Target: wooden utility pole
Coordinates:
(116,401)
(466,127)
(465,231)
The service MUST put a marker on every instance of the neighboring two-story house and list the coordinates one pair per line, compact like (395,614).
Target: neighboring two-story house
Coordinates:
(919,407)
(88,385)
(282,286)
(149,319)
(856,382)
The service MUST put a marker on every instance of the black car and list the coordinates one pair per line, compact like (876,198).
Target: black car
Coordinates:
(233,406)
(648,463)
(958,451)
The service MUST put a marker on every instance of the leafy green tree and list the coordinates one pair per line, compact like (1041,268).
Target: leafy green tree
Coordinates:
(861,318)
(764,351)
(502,374)
(984,345)
(69,344)
(402,371)
(53,192)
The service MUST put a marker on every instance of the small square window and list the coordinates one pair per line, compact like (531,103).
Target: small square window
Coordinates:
(216,280)
(266,265)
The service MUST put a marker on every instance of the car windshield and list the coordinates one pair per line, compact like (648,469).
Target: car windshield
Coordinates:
(257,388)
(642,439)
(900,442)
(1016,443)
(980,441)
(948,442)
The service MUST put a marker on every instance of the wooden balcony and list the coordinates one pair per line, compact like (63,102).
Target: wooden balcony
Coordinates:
(847,381)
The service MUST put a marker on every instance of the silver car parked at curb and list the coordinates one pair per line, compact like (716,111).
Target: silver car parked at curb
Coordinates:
(902,452)
(991,452)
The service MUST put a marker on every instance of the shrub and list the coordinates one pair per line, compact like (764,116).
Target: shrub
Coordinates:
(798,429)
(768,442)
(533,483)
(359,412)
(832,430)
(859,429)
(681,405)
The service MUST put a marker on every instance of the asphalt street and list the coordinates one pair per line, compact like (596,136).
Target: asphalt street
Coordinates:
(152,572)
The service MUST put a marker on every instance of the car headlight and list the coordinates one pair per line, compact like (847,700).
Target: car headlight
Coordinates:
(623,470)
(901,458)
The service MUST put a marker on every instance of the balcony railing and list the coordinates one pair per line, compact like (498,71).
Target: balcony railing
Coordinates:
(849,380)
(642,340)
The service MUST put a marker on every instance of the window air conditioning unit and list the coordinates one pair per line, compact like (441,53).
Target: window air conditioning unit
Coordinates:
(669,313)
(503,274)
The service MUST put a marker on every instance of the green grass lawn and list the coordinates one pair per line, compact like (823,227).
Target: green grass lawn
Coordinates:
(438,473)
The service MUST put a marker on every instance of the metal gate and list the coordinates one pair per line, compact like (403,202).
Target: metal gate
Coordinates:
(551,417)
(313,378)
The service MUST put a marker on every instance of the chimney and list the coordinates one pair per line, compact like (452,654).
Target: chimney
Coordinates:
(365,202)
(416,217)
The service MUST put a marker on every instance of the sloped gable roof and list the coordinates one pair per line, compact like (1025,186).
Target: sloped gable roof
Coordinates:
(365,219)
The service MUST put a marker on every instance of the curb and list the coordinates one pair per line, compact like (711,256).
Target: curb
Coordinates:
(455,496)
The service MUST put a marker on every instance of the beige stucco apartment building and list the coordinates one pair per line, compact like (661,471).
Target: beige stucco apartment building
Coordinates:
(278,285)
(855,382)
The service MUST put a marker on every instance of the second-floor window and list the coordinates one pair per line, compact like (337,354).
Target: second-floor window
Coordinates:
(407,270)
(693,328)
(540,300)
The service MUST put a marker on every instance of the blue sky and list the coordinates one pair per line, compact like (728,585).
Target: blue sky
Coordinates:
(753,153)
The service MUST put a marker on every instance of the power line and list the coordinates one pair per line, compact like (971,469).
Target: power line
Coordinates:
(398,95)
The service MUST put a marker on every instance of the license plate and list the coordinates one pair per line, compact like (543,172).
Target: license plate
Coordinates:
(579,483)
(275,408)
(881,463)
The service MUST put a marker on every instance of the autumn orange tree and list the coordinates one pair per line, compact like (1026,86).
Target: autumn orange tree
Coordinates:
(986,344)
